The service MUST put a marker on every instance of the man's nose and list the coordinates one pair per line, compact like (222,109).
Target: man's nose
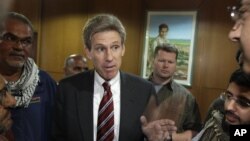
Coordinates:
(166,64)
(109,55)
(18,45)
(235,32)
(231,105)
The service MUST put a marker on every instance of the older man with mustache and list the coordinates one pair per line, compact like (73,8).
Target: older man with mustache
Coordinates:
(32,88)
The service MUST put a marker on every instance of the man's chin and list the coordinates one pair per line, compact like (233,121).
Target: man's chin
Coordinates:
(231,118)
(234,122)
(108,75)
(231,123)
(165,75)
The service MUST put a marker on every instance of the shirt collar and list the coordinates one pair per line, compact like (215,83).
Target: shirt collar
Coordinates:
(100,80)
(168,85)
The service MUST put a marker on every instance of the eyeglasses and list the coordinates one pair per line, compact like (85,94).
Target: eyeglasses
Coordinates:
(227,96)
(238,12)
(9,37)
(235,14)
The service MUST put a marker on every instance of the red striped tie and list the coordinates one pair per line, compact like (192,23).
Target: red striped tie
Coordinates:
(105,126)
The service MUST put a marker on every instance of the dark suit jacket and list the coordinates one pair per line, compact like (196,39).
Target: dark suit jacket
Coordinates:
(74,107)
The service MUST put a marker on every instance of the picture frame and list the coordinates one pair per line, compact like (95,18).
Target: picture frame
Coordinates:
(181,34)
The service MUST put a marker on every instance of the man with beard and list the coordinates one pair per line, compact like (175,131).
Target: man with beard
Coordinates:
(175,102)
(236,109)
(241,29)
(218,103)
(33,89)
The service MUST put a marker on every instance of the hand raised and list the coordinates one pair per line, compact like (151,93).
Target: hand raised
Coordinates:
(158,130)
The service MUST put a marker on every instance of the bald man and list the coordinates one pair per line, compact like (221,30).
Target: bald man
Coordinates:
(74,64)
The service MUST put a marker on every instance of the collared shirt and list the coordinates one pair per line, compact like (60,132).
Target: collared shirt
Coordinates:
(98,94)
(177,103)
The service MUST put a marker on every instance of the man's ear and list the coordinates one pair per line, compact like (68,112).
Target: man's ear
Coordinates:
(87,51)
(123,50)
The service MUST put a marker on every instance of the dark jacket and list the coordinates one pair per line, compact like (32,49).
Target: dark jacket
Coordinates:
(74,107)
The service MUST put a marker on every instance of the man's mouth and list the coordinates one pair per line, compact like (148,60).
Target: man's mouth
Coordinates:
(231,118)
(18,56)
(109,67)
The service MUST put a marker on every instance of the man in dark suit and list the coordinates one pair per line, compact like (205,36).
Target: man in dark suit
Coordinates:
(79,106)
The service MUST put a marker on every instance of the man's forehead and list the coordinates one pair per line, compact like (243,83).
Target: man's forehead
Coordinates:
(17,28)
(239,91)
(164,29)
(14,22)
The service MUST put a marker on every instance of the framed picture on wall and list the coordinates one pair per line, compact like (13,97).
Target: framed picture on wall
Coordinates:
(177,29)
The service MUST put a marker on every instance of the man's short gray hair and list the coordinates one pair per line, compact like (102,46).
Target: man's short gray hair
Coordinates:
(19,17)
(100,23)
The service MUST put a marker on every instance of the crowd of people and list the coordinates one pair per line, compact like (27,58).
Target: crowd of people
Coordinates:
(106,103)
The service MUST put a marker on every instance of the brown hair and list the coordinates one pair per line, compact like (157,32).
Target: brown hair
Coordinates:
(166,48)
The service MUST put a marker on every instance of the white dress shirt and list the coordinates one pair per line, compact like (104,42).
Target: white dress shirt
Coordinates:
(115,84)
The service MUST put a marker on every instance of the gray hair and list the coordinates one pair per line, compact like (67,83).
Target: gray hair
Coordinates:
(19,17)
(100,23)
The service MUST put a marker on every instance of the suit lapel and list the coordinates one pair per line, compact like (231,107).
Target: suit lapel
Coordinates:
(127,103)
(85,107)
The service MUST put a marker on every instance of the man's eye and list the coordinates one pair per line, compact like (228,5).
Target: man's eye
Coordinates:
(241,13)
(243,102)
(26,41)
(228,95)
(100,49)
(9,38)
(115,47)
